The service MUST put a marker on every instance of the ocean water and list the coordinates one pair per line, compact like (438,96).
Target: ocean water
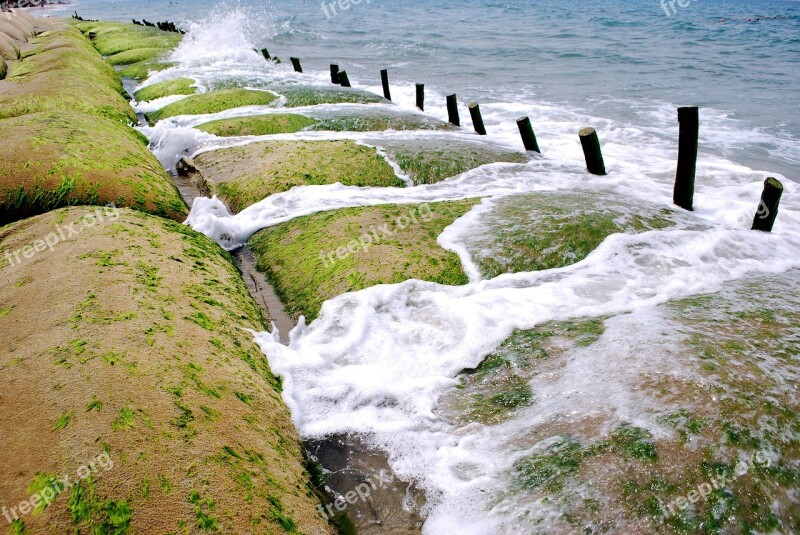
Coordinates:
(377,363)
(623,60)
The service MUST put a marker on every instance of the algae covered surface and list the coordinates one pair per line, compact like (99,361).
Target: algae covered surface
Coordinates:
(67,138)
(176,86)
(351,120)
(538,231)
(59,159)
(213,102)
(64,72)
(140,357)
(247,174)
(258,125)
(678,418)
(431,160)
(315,258)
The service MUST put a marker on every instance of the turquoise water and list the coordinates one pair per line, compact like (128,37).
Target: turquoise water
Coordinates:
(625,61)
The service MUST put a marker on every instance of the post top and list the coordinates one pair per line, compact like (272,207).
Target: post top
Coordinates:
(773,183)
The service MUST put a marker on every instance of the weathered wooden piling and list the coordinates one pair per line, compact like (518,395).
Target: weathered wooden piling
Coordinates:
(421,96)
(591,151)
(528,137)
(683,194)
(452,110)
(385,82)
(477,119)
(265,53)
(768,207)
(296,64)
(334,74)
(344,81)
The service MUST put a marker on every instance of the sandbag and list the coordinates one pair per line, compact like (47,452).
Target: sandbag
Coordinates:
(23,25)
(12,31)
(9,50)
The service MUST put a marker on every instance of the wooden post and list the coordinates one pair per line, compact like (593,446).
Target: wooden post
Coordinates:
(421,96)
(265,53)
(528,137)
(592,152)
(334,74)
(452,110)
(296,64)
(385,82)
(344,81)
(768,208)
(683,194)
(477,120)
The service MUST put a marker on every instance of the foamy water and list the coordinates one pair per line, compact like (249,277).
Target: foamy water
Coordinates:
(376,362)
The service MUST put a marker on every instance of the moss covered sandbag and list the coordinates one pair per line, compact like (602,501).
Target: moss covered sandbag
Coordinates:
(258,125)
(431,160)
(244,175)
(142,70)
(125,42)
(137,403)
(176,86)
(213,102)
(3,68)
(538,231)
(9,49)
(302,95)
(114,37)
(315,258)
(64,72)
(352,120)
(22,24)
(56,159)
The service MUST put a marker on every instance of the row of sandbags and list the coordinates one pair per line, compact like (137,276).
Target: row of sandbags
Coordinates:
(16,27)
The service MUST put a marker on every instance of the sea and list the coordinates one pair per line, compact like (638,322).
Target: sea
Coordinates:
(377,363)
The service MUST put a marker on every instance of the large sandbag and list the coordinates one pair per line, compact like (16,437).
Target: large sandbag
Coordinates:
(9,50)
(12,31)
(24,26)
(27,17)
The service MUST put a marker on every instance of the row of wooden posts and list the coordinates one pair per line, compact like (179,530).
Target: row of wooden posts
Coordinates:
(689,124)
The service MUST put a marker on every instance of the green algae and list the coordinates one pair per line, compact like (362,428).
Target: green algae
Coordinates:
(66,159)
(541,231)
(298,96)
(432,160)
(493,391)
(87,509)
(259,125)
(357,120)
(177,86)
(296,256)
(550,469)
(729,464)
(137,55)
(64,72)
(213,102)
(142,70)
(245,175)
